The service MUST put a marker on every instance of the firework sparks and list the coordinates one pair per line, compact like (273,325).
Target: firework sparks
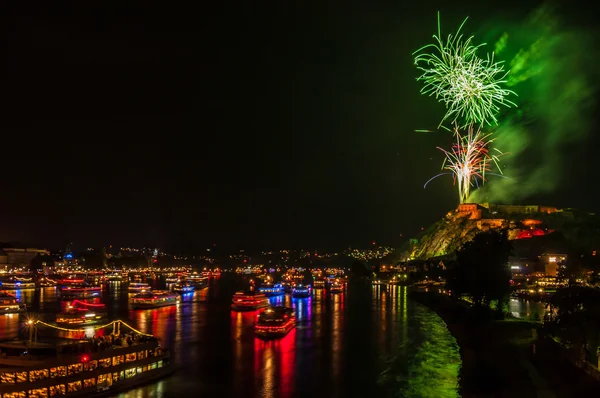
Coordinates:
(469,160)
(469,86)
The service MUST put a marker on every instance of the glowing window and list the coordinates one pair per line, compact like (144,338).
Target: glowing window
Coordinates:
(75,368)
(58,390)
(89,382)
(74,386)
(21,377)
(38,393)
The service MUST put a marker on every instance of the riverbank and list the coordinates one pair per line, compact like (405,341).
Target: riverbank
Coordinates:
(493,361)
(499,359)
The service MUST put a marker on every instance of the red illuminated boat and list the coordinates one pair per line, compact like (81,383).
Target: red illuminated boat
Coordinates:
(275,322)
(78,289)
(81,314)
(249,301)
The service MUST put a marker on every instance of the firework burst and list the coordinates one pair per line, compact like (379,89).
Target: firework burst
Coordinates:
(469,160)
(469,86)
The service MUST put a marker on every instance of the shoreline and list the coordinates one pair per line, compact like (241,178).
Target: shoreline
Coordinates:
(508,358)
(491,366)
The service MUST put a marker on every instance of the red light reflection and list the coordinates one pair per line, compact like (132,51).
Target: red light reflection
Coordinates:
(275,365)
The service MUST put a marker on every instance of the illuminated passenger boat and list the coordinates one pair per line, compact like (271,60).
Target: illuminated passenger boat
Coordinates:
(47,282)
(172,279)
(301,291)
(248,301)
(336,288)
(79,290)
(183,288)
(199,282)
(271,290)
(319,284)
(77,368)
(275,322)
(82,314)
(9,304)
(139,287)
(154,299)
(18,283)
(114,277)
(287,287)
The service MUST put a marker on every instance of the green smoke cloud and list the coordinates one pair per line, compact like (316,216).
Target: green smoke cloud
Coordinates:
(552,69)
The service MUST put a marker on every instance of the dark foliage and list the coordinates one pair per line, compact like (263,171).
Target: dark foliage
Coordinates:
(576,321)
(481,269)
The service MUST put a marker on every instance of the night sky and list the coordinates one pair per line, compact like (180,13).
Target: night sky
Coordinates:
(245,126)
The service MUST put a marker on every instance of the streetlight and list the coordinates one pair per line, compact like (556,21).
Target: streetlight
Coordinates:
(30,325)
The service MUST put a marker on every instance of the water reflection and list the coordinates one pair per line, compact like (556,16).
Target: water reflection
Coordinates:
(274,366)
(527,309)
(336,333)
(366,341)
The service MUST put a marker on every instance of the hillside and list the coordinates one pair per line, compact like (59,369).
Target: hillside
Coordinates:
(534,229)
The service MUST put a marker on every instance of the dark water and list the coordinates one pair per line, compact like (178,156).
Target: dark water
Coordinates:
(368,341)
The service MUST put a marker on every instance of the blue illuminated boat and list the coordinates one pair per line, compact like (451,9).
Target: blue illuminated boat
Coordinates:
(271,290)
(183,288)
(301,291)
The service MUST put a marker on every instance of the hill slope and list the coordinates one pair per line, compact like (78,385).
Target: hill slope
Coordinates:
(534,229)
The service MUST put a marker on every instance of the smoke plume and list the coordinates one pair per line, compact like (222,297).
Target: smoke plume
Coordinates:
(552,69)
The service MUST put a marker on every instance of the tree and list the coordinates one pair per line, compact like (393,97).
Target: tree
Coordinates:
(573,269)
(481,269)
(359,270)
(577,319)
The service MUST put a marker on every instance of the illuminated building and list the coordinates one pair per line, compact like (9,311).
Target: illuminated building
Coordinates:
(552,262)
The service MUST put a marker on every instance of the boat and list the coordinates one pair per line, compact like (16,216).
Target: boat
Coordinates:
(17,283)
(46,282)
(79,291)
(81,367)
(183,288)
(80,314)
(301,291)
(154,299)
(172,279)
(319,284)
(199,282)
(378,282)
(114,277)
(271,290)
(9,304)
(249,301)
(287,287)
(336,288)
(275,322)
(139,287)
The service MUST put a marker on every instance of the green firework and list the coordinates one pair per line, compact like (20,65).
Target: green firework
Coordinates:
(469,86)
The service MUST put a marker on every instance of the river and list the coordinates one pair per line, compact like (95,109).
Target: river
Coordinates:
(368,341)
